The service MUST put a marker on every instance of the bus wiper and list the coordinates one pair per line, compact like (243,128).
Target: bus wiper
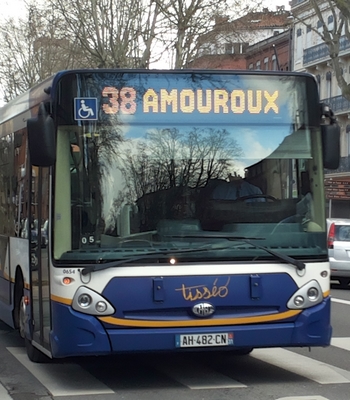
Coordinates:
(297,263)
(101,265)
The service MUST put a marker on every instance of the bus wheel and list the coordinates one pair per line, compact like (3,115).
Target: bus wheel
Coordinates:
(344,282)
(34,354)
(18,296)
(22,318)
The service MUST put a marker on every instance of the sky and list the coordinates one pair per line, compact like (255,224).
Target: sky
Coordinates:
(16,7)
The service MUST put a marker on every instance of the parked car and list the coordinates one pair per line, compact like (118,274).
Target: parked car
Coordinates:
(338,242)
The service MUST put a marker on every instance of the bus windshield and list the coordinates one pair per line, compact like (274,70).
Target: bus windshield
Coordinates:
(187,166)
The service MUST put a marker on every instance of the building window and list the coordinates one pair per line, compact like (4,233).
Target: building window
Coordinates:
(330,21)
(274,63)
(329,83)
(251,66)
(347,130)
(266,63)
(308,28)
(229,49)
(299,31)
(258,65)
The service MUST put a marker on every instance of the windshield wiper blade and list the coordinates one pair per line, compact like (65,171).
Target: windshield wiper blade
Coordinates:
(101,265)
(297,263)
(214,236)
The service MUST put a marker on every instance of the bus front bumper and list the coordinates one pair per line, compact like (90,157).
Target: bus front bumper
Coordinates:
(76,334)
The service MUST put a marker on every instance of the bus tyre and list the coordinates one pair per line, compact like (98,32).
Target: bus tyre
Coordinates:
(17,301)
(34,354)
(344,282)
(22,318)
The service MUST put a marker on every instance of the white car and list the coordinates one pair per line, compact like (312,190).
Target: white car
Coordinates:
(338,243)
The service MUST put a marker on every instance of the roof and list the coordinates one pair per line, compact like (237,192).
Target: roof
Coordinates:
(262,19)
(250,22)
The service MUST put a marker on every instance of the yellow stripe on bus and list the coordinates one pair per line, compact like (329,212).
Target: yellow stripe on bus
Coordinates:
(200,322)
(62,300)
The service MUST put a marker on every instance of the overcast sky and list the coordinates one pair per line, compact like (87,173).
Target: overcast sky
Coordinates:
(16,7)
(272,4)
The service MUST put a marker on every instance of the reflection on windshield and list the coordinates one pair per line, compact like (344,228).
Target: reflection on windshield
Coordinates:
(140,194)
(127,185)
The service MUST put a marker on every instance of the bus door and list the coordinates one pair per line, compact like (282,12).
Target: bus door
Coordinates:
(39,247)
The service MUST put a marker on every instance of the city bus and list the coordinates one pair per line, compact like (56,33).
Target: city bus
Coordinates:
(176,211)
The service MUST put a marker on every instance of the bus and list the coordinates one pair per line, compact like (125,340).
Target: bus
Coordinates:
(177,210)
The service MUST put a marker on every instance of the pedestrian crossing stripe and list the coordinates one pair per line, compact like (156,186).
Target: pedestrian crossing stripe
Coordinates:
(57,378)
(303,398)
(4,394)
(62,379)
(301,365)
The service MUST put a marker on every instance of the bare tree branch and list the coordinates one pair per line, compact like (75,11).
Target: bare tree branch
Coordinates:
(332,36)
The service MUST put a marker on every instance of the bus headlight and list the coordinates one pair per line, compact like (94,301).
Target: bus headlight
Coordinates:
(299,301)
(312,293)
(84,300)
(90,302)
(101,307)
(307,296)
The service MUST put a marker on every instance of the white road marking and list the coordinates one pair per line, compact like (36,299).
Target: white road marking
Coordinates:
(62,379)
(341,301)
(4,393)
(196,376)
(57,378)
(303,398)
(307,367)
(341,342)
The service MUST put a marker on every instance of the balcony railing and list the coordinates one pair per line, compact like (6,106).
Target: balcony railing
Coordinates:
(321,50)
(338,104)
(293,3)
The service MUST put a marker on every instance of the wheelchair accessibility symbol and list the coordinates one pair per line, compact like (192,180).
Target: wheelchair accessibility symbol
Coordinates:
(85,108)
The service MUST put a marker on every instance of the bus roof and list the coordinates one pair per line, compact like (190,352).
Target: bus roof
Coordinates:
(26,101)
(40,92)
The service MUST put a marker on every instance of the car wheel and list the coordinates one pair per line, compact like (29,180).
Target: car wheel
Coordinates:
(344,282)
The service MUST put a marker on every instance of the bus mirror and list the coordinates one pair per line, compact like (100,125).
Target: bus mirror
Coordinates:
(331,145)
(41,138)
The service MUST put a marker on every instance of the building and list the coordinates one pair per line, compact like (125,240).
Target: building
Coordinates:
(311,54)
(273,53)
(258,40)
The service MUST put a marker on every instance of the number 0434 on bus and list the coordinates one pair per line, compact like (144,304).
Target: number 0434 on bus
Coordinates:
(165,211)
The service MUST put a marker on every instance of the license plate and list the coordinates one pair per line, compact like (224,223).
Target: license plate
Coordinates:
(204,340)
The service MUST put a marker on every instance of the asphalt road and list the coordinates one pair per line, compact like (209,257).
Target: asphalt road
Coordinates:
(266,374)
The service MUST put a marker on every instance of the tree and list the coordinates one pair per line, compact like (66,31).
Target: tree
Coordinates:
(171,158)
(111,33)
(332,36)
(32,49)
(64,34)
(186,21)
